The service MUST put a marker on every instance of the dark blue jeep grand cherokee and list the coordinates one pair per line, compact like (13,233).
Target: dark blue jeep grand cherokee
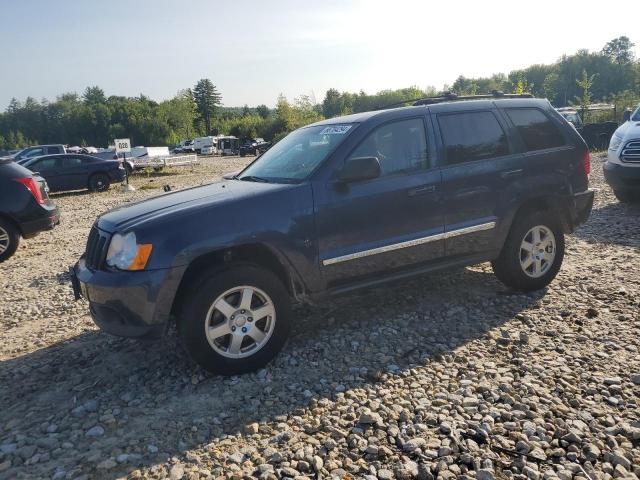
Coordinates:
(340,204)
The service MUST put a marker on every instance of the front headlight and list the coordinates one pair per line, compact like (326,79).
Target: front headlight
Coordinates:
(126,254)
(615,142)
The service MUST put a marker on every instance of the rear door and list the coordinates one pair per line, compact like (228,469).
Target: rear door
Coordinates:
(479,163)
(74,172)
(388,223)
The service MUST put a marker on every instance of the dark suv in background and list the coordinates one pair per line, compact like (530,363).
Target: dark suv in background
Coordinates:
(341,204)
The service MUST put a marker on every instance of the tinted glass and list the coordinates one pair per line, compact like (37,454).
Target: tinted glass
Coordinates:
(68,162)
(535,128)
(297,155)
(472,136)
(36,152)
(43,165)
(400,147)
(53,150)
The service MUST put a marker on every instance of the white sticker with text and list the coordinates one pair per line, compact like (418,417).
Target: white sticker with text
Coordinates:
(335,130)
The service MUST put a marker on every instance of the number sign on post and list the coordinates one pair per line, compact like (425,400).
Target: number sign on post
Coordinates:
(123,145)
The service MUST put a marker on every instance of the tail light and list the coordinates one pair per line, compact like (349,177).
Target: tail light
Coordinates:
(32,186)
(586,163)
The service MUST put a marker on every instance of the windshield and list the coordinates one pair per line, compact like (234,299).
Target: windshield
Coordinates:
(298,154)
(636,115)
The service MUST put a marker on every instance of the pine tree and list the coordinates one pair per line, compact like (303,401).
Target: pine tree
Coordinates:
(207,99)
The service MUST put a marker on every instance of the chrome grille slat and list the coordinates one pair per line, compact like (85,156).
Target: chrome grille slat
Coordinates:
(631,152)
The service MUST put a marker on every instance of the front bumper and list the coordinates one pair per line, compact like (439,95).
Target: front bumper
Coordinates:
(128,304)
(622,177)
(49,220)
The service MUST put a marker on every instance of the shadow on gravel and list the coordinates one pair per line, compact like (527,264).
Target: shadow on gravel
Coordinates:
(150,394)
(617,223)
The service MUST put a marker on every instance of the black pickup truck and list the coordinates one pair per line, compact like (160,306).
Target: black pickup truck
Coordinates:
(254,146)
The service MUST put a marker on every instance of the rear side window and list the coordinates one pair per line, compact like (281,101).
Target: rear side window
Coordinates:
(535,128)
(469,136)
(68,162)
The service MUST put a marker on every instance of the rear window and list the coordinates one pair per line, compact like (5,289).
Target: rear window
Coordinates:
(469,136)
(53,150)
(535,128)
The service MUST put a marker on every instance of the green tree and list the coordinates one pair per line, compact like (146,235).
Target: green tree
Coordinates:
(585,83)
(620,50)
(207,99)
(262,110)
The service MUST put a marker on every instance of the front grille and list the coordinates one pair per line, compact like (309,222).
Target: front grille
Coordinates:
(96,251)
(631,152)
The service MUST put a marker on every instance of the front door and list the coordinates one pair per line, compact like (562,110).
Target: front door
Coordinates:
(388,223)
(49,169)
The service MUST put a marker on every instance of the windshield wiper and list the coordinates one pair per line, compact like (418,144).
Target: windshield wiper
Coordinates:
(253,178)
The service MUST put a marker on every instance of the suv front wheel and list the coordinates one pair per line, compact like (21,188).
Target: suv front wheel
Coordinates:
(532,254)
(236,320)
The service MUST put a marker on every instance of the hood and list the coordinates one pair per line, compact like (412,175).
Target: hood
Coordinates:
(180,203)
(629,130)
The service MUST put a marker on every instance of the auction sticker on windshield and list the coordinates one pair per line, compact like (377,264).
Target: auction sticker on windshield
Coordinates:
(336,130)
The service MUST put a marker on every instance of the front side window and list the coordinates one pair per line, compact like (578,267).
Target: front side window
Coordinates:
(35,152)
(535,128)
(400,147)
(469,136)
(297,155)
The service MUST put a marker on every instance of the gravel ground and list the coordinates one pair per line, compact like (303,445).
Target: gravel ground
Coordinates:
(447,376)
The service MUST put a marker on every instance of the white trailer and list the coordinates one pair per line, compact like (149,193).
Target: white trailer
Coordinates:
(201,142)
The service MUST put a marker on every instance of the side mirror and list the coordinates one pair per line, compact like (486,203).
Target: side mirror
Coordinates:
(626,116)
(358,169)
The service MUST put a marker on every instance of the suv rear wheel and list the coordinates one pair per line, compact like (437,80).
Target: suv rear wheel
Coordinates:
(9,239)
(532,254)
(236,320)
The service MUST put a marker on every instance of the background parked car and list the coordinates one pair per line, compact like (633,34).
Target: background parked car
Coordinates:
(622,168)
(25,207)
(254,146)
(36,151)
(75,172)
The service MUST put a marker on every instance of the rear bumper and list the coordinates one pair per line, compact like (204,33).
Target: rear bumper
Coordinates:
(128,304)
(582,205)
(622,177)
(49,219)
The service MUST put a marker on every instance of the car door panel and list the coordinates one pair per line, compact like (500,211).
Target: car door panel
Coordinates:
(380,225)
(475,191)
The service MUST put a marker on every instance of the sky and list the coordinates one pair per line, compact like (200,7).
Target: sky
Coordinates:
(255,50)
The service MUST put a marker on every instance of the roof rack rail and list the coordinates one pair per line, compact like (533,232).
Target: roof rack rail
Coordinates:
(450,97)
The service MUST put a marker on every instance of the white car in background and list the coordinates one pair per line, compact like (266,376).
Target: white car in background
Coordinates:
(622,168)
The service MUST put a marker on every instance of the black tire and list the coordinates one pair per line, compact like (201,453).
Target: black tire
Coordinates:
(9,239)
(625,196)
(99,182)
(507,267)
(204,292)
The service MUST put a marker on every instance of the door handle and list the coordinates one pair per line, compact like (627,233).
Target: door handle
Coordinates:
(512,173)
(424,189)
